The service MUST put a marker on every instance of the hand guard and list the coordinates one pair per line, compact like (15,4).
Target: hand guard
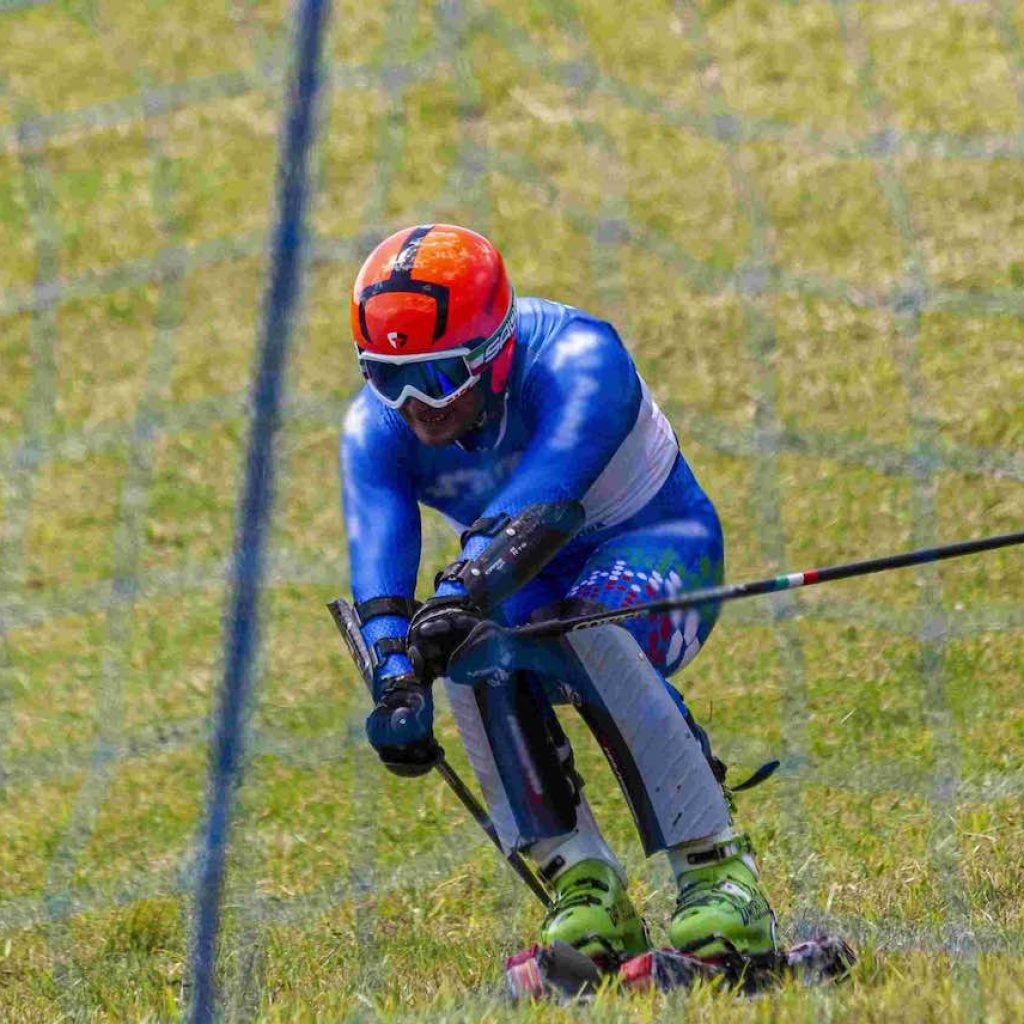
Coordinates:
(401,727)
(437,629)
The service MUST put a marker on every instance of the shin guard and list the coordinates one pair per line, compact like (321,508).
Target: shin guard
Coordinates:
(522,760)
(659,761)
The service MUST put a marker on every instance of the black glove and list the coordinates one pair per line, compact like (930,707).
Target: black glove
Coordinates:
(437,628)
(401,727)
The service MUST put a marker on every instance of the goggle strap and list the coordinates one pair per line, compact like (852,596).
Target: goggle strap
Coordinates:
(489,348)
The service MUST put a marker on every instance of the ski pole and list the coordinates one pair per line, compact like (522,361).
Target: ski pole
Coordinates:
(345,619)
(475,808)
(789,581)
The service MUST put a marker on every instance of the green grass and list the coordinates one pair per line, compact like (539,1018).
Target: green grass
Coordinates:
(805,219)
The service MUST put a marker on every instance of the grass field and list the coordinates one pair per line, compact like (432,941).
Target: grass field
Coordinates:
(807,220)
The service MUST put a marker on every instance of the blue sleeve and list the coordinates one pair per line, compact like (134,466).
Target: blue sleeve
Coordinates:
(382,518)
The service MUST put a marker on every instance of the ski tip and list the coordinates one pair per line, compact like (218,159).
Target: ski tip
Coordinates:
(823,958)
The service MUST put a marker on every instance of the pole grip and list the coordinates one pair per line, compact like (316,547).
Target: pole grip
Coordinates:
(348,626)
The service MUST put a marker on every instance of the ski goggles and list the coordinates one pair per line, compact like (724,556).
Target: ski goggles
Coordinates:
(436,379)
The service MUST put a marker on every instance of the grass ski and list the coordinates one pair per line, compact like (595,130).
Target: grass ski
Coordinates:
(819,960)
(562,973)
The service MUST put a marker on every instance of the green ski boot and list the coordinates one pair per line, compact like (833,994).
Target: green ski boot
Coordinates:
(721,907)
(593,913)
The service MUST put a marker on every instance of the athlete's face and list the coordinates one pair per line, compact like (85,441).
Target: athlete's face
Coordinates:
(443,426)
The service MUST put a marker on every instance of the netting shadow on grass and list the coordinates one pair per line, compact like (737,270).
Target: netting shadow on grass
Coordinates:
(756,281)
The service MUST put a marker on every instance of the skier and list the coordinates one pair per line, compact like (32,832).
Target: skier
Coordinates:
(526,424)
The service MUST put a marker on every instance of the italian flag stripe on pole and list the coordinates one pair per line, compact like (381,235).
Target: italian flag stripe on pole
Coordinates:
(796,579)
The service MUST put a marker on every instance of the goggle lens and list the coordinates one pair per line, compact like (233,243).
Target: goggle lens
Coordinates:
(434,378)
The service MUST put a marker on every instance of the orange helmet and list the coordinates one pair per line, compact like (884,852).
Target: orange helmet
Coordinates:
(432,313)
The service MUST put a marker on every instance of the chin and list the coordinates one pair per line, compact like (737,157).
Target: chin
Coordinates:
(436,439)
(446,428)
(446,433)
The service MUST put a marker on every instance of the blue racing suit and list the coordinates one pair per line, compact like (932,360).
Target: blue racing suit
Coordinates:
(578,423)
